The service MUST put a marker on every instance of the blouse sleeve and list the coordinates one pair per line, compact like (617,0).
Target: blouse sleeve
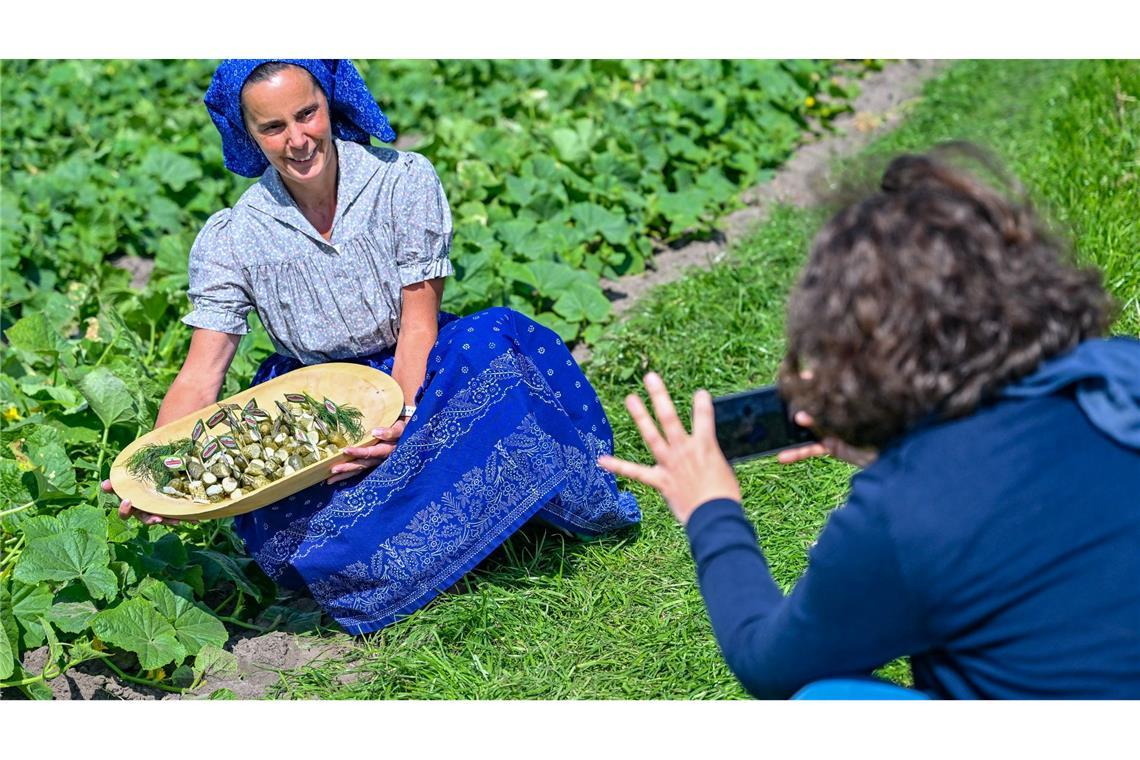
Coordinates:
(422,223)
(217,290)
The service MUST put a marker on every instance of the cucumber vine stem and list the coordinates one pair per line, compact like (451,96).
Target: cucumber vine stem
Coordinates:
(99,463)
(141,681)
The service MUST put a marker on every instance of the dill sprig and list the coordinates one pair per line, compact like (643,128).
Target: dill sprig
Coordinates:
(146,463)
(347,418)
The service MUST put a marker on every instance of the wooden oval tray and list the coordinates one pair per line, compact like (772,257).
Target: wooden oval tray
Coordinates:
(371,391)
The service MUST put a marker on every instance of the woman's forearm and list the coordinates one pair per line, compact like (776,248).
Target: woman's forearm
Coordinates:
(419,328)
(185,396)
(410,364)
(200,379)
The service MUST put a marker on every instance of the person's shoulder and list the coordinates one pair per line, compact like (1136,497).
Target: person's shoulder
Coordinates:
(956,465)
(257,193)
(395,162)
(214,233)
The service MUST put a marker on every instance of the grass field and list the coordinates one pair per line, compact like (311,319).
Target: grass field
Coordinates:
(621,617)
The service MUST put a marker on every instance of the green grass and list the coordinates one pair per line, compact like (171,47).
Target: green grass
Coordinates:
(621,617)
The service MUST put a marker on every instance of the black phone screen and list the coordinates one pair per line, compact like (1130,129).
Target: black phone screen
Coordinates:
(756,423)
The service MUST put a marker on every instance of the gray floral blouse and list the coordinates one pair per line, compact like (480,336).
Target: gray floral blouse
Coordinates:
(324,300)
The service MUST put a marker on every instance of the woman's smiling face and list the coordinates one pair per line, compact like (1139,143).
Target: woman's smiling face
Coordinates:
(288,116)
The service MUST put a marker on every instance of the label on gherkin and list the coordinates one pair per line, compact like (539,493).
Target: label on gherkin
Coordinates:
(296,398)
(228,442)
(210,450)
(250,406)
(300,436)
(320,425)
(331,407)
(258,414)
(174,463)
(199,428)
(216,417)
(231,405)
(284,409)
(250,420)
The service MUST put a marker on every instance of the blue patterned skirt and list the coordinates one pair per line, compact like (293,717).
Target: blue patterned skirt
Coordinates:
(506,428)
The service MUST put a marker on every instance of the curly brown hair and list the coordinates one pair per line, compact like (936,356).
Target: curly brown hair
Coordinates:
(926,297)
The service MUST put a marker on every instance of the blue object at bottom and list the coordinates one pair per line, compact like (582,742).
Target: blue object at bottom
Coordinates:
(506,428)
(856,689)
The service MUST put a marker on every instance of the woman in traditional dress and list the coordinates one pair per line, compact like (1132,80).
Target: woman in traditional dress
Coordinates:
(342,249)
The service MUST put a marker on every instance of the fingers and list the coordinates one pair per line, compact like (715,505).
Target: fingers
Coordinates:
(631,470)
(347,470)
(803,419)
(377,451)
(704,420)
(663,408)
(392,433)
(125,508)
(646,426)
(106,485)
(802,452)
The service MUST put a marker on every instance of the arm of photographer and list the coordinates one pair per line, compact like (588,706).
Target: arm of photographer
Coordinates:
(850,612)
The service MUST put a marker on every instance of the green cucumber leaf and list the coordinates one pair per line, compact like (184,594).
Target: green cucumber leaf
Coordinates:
(33,334)
(136,626)
(45,447)
(229,568)
(280,617)
(172,169)
(7,656)
(85,517)
(601,221)
(69,556)
(569,145)
(72,617)
(182,677)
(109,397)
(193,627)
(14,487)
(583,302)
(29,603)
(214,662)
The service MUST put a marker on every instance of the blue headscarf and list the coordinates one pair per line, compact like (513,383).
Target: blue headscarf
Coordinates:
(352,108)
(1105,377)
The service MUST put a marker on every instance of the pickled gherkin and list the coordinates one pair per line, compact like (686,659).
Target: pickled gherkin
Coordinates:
(238,450)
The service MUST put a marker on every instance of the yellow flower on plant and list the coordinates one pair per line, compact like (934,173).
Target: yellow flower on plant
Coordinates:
(156,675)
(11,414)
(809,101)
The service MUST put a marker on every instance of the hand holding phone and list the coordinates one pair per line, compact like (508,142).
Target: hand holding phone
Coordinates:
(756,423)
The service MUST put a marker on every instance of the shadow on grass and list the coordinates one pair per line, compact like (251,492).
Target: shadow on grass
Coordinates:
(538,551)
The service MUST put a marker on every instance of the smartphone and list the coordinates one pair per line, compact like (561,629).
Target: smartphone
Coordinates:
(756,423)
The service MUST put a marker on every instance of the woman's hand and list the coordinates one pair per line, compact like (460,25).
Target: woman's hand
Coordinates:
(146,518)
(690,469)
(367,457)
(829,445)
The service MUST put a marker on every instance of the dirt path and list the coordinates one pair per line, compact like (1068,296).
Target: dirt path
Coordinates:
(879,108)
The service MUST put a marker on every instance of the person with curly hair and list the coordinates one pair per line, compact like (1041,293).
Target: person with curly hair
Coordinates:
(942,339)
